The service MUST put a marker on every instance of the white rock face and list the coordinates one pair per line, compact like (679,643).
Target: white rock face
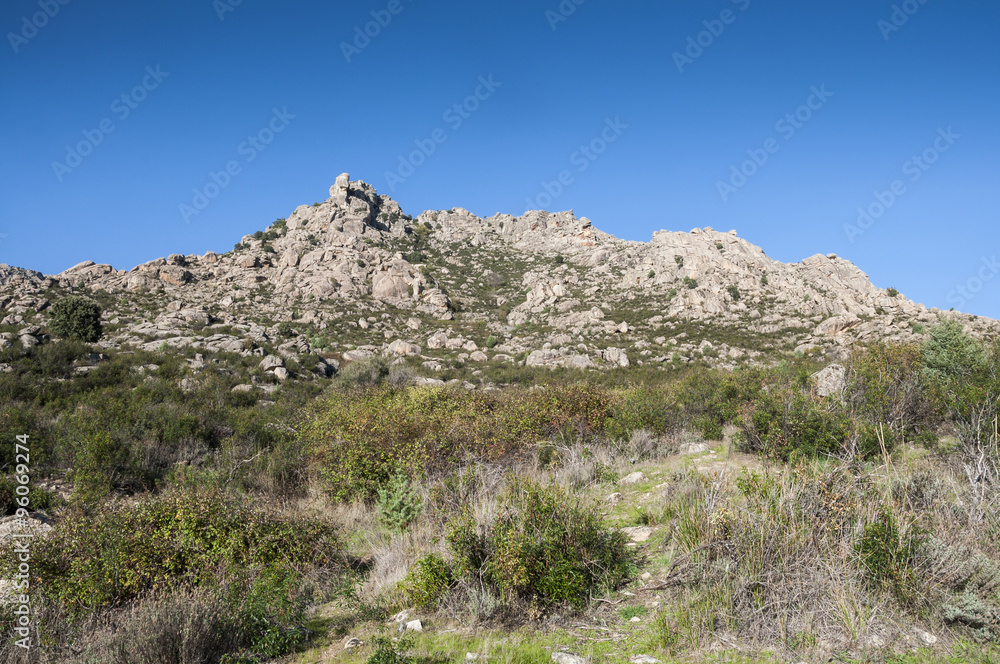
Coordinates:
(831,380)
(338,192)
(552,289)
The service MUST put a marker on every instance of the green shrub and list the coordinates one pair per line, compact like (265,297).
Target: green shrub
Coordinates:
(651,408)
(182,539)
(492,341)
(763,280)
(360,439)
(427,581)
(398,503)
(271,606)
(950,356)
(369,372)
(285,329)
(679,260)
(885,555)
(38,498)
(559,260)
(892,292)
(734,292)
(542,546)
(709,428)
(76,317)
(786,423)
(101,465)
(651,274)
(690,283)
(886,391)
(387,652)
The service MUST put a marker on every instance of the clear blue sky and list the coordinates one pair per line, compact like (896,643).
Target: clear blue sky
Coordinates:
(677,135)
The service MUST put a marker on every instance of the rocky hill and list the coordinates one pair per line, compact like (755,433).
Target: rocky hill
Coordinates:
(355,276)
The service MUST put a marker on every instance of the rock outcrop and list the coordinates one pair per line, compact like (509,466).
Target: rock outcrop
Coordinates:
(547,289)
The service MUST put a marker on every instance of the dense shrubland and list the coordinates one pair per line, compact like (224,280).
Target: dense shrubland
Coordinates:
(233,513)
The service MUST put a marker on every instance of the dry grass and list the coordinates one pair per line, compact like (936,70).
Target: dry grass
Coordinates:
(753,558)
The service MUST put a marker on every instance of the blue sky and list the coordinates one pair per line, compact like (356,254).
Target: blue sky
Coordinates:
(647,111)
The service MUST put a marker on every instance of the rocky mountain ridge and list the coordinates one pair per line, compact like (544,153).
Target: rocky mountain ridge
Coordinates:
(353,276)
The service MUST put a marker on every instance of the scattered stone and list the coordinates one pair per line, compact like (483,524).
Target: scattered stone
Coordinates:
(616,357)
(437,341)
(644,659)
(350,643)
(567,658)
(632,478)
(271,362)
(638,533)
(414,626)
(693,448)
(400,617)
(831,380)
(403,348)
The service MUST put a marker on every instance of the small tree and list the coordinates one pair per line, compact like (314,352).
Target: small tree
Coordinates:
(76,317)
